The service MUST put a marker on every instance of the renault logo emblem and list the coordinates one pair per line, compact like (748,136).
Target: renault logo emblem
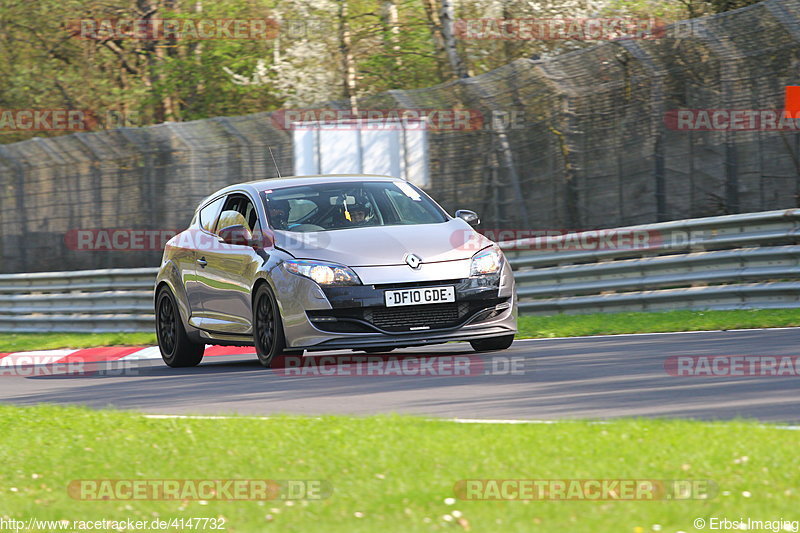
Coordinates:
(414,261)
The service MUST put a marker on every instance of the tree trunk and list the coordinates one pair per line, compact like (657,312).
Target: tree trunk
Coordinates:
(391,23)
(448,21)
(346,51)
(146,9)
(432,13)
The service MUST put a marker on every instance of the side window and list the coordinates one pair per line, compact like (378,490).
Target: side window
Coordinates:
(208,214)
(239,210)
(250,215)
(256,228)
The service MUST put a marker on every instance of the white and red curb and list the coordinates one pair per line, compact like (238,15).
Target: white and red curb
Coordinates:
(103,354)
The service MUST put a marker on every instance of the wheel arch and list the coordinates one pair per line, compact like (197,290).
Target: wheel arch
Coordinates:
(259,282)
(183,308)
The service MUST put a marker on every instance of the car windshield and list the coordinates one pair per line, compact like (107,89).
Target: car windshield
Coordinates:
(335,206)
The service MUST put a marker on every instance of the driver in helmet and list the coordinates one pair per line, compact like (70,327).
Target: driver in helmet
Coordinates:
(358,214)
(278,213)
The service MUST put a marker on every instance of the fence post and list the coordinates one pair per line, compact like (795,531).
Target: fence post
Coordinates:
(18,187)
(657,75)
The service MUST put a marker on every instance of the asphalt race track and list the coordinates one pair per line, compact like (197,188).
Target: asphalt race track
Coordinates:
(589,377)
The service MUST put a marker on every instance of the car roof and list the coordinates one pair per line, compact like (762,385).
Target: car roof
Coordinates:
(295,181)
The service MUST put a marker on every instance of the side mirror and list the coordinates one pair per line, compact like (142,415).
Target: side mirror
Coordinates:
(237,235)
(470,217)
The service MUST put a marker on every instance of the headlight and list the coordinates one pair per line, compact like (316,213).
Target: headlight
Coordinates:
(486,262)
(323,273)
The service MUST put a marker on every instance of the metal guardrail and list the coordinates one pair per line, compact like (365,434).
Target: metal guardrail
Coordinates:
(743,261)
(730,262)
(98,301)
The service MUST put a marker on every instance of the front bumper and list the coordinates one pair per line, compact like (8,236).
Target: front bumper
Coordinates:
(357,316)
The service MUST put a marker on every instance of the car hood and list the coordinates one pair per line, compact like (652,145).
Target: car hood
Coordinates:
(386,245)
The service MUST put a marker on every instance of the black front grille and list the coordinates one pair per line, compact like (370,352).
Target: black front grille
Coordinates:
(405,318)
(402,319)
(413,284)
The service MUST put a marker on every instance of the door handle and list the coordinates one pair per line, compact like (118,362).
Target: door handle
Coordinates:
(202,262)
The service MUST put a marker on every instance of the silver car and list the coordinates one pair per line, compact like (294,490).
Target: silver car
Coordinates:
(366,263)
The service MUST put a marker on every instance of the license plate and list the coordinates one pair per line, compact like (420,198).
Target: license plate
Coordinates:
(424,295)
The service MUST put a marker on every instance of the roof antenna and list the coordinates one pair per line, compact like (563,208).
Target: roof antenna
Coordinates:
(274,162)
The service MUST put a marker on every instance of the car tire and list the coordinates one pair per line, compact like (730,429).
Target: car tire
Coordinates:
(492,344)
(177,350)
(268,334)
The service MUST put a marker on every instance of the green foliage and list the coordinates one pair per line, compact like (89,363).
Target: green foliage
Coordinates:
(44,65)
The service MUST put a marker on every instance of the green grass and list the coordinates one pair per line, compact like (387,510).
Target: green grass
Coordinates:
(397,471)
(529,327)
(18,342)
(617,323)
